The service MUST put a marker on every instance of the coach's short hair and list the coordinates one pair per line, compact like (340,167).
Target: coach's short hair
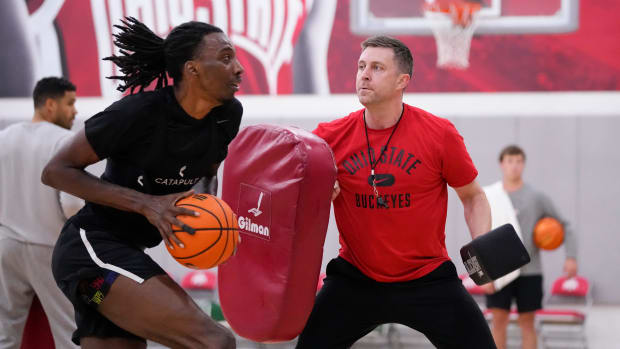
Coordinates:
(402,54)
(50,87)
(512,149)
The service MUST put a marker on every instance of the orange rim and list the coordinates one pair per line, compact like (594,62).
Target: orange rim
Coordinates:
(460,7)
(461,12)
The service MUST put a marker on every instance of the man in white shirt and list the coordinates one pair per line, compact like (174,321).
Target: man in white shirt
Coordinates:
(32,215)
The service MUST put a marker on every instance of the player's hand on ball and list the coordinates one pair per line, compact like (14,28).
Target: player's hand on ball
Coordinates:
(162,213)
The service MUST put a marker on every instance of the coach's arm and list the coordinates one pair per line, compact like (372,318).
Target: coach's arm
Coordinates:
(477,209)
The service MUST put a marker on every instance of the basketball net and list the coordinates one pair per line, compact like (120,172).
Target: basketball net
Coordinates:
(453,28)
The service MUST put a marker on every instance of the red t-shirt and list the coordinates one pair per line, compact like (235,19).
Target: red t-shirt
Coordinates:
(407,240)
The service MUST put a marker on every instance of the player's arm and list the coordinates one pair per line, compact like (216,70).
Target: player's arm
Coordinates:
(477,209)
(65,172)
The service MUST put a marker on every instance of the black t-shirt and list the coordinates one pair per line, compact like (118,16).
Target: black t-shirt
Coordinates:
(153,146)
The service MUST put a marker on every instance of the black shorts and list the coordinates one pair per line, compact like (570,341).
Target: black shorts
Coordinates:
(526,290)
(85,264)
(350,305)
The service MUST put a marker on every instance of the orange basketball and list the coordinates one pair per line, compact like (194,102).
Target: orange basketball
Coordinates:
(548,233)
(216,237)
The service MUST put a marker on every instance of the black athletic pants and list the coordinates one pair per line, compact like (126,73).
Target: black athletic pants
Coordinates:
(350,305)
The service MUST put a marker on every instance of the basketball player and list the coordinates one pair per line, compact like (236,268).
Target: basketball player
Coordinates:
(530,205)
(31,215)
(158,145)
(394,164)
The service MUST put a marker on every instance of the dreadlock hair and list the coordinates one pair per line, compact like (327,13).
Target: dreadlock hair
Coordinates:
(145,56)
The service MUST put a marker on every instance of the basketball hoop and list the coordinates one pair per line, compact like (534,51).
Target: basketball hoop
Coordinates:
(453,27)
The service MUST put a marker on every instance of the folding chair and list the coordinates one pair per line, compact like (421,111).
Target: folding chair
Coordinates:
(562,321)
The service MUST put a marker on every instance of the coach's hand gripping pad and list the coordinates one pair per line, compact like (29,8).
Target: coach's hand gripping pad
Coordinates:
(279,181)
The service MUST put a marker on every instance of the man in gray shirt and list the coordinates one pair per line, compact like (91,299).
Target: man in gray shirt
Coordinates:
(32,215)
(530,206)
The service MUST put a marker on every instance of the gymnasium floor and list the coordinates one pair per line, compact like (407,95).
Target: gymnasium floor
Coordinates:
(602,330)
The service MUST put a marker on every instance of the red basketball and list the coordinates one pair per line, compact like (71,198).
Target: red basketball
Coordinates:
(548,234)
(216,237)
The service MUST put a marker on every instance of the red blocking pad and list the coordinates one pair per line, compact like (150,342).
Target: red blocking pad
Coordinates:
(279,182)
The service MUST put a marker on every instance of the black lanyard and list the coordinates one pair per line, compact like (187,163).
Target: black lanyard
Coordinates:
(374,163)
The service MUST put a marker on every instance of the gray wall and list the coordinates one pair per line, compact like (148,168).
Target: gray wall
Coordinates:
(574,160)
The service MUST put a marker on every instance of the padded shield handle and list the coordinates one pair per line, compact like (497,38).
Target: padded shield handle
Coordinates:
(494,254)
